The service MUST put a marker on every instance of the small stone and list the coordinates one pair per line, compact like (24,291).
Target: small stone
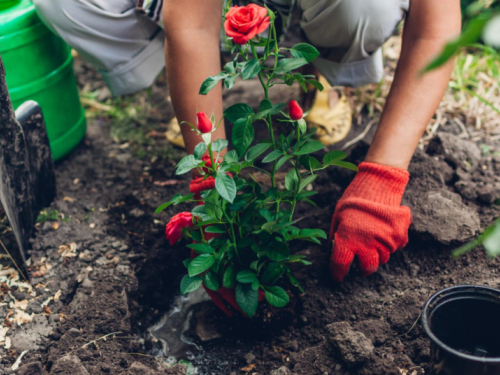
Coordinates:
(354,347)
(34,306)
(292,345)
(33,368)
(137,212)
(138,368)
(69,364)
(281,371)
(87,283)
(249,358)
(205,329)
(73,332)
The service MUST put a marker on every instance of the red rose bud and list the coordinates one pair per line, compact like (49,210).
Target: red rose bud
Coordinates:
(203,123)
(174,227)
(294,110)
(243,23)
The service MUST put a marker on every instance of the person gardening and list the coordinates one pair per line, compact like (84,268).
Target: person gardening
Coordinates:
(123,39)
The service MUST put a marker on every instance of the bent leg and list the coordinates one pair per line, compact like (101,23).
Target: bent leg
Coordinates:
(349,35)
(123,44)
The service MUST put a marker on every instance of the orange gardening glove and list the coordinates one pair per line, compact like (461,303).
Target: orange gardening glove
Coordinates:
(369,220)
(224,298)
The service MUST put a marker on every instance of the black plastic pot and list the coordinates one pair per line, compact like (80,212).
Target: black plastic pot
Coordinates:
(463,323)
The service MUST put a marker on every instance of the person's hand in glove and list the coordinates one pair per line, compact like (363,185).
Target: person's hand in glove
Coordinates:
(369,221)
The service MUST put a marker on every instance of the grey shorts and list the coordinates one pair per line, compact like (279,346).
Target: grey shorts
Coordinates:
(128,48)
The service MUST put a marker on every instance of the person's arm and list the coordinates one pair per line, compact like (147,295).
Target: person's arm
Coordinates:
(414,98)
(369,221)
(192,32)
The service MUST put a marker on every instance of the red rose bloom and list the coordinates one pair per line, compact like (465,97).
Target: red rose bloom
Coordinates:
(176,224)
(203,123)
(294,110)
(243,23)
(206,159)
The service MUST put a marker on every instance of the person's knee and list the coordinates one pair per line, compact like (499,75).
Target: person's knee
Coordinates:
(53,12)
(376,20)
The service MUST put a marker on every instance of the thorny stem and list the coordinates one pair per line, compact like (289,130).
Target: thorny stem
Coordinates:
(269,120)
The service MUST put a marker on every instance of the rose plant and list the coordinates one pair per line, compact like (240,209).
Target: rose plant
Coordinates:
(242,230)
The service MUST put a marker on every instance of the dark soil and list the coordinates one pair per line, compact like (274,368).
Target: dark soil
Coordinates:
(117,275)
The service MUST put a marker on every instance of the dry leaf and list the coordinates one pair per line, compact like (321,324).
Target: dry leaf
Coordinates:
(67,251)
(69,199)
(22,318)
(249,367)
(167,182)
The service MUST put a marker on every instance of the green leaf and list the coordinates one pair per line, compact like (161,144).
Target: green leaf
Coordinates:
(345,164)
(491,241)
(230,67)
(304,50)
(216,229)
(185,198)
(246,276)
(187,164)
(211,281)
(302,125)
(247,299)
(199,150)
(278,252)
(200,212)
(266,108)
(242,136)
(225,187)
(231,157)
(291,180)
(276,296)
(211,82)
(230,81)
(163,207)
(272,156)
(295,282)
(333,156)
(202,248)
(219,145)
(190,284)
(255,151)
(238,111)
(282,161)
(316,84)
(286,65)
(229,280)
(306,181)
(250,69)
(186,262)
(313,233)
(200,264)
(309,147)
(272,273)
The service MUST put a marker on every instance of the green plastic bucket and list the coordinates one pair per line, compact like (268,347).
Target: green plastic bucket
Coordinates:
(39,67)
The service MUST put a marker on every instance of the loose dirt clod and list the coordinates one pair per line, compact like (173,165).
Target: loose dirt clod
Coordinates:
(282,371)
(70,364)
(353,346)
(33,368)
(458,152)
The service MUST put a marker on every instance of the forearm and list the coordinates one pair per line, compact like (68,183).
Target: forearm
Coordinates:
(190,60)
(414,97)
(192,55)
